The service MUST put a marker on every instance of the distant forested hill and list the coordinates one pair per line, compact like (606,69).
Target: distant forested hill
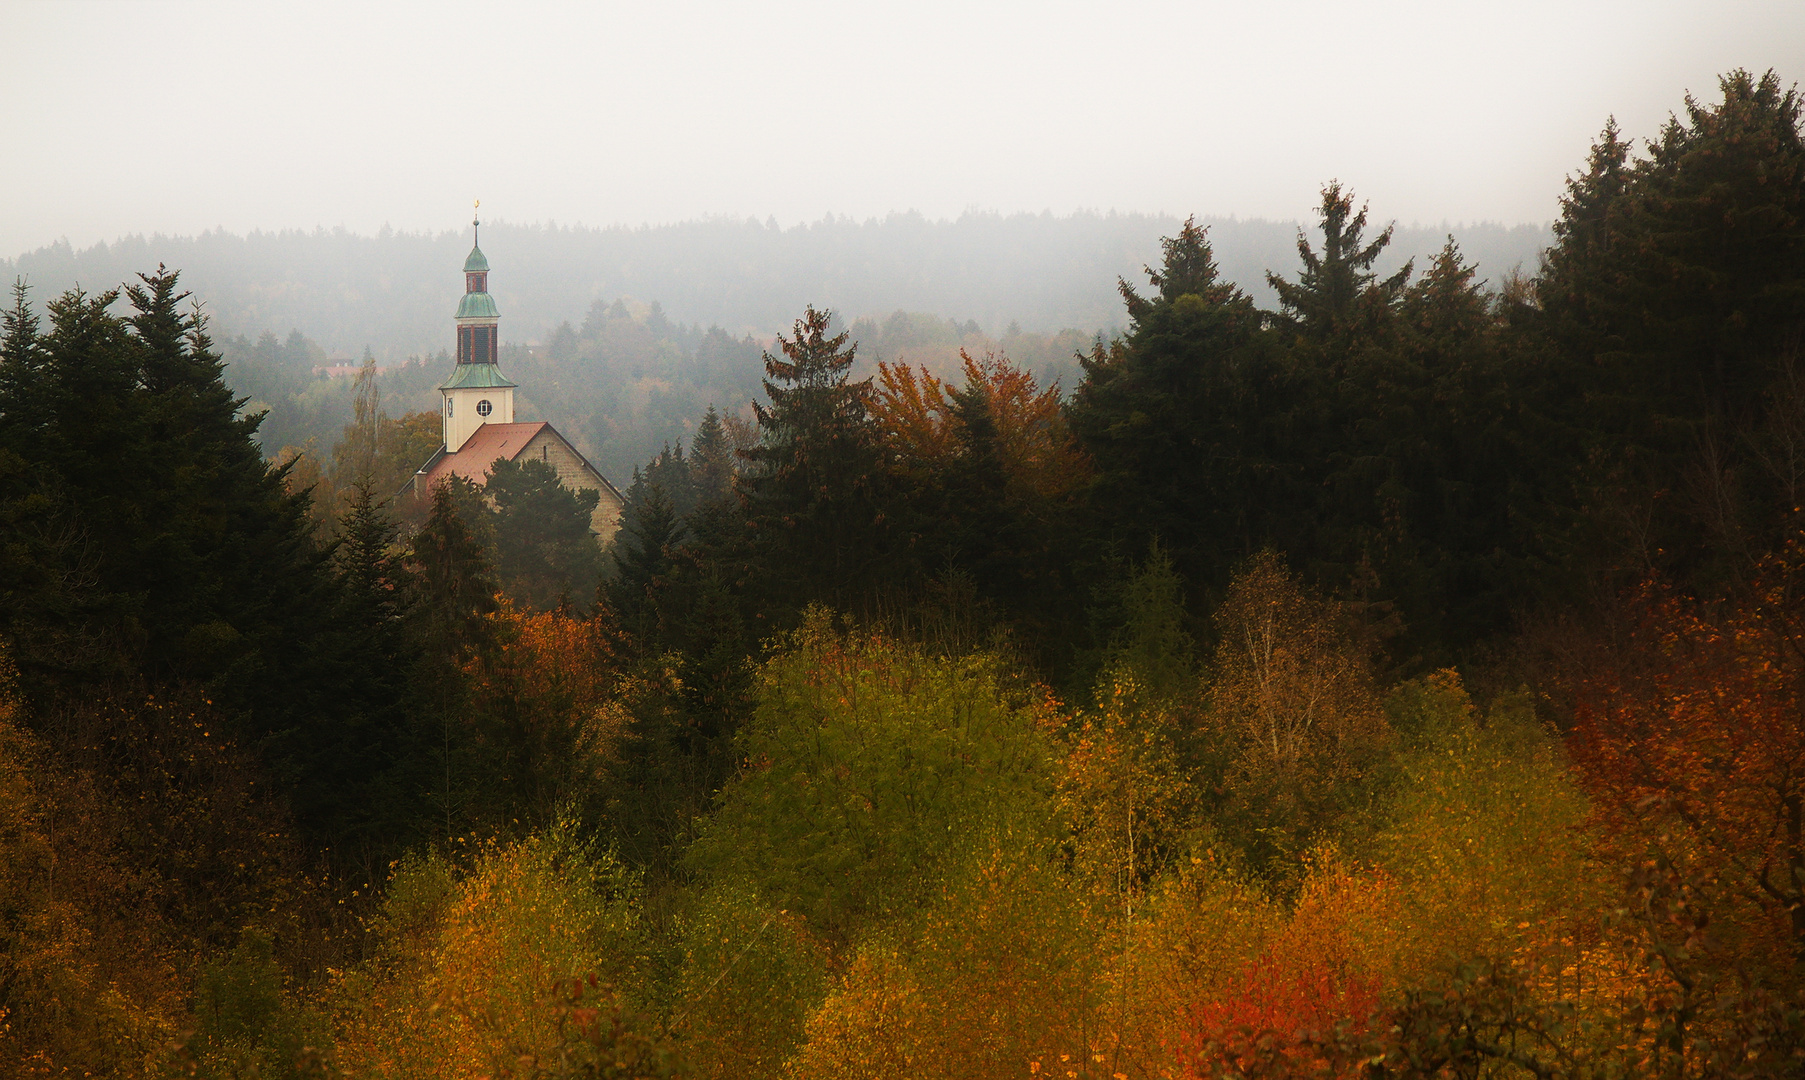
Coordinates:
(624,336)
(394,292)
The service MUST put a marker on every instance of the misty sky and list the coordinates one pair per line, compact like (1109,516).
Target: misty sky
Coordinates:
(149,117)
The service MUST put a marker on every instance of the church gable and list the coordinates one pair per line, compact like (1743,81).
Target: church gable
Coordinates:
(575,473)
(527,442)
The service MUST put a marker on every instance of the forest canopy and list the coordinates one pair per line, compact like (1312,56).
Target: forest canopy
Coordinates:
(1387,671)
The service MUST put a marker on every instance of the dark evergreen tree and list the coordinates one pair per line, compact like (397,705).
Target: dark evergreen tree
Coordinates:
(22,359)
(453,594)
(1337,293)
(545,554)
(672,475)
(361,788)
(62,621)
(1675,298)
(453,581)
(814,509)
(643,557)
(711,463)
(155,548)
(1188,420)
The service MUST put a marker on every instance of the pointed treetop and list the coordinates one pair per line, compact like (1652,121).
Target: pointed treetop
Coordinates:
(1189,268)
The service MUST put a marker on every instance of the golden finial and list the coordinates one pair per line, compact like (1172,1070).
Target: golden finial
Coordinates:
(476,218)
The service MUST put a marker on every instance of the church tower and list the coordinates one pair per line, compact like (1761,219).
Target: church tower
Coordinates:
(477,414)
(476,394)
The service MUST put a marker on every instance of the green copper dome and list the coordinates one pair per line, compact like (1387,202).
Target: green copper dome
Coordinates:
(476,377)
(476,261)
(477,305)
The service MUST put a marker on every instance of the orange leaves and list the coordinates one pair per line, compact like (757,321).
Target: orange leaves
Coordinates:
(553,654)
(549,693)
(919,418)
(1691,736)
(912,409)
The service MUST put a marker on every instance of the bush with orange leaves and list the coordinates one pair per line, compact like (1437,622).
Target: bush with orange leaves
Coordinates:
(1282,1010)
(1691,742)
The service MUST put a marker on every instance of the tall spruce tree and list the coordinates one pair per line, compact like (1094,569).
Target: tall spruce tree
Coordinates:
(1186,418)
(22,359)
(812,484)
(1675,297)
(643,556)
(453,594)
(711,463)
(169,554)
(361,789)
(1337,293)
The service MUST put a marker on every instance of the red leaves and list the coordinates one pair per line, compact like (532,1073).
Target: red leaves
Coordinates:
(1281,1011)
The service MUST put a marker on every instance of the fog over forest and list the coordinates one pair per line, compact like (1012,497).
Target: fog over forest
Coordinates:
(1035,287)
(392,292)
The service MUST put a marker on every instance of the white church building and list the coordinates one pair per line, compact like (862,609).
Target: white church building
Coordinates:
(476,412)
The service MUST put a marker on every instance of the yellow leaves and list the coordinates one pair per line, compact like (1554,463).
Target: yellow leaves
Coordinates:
(466,961)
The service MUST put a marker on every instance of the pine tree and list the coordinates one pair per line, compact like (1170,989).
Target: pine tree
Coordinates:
(365,559)
(1188,268)
(1338,292)
(452,581)
(1674,297)
(51,604)
(22,415)
(359,774)
(453,594)
(1186,419)
(643,556)
(711,462)
(545,553)
(811,484)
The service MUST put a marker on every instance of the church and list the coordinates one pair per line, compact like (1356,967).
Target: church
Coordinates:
(476,413)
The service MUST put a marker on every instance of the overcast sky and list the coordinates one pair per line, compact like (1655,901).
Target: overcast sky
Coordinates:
(177,117)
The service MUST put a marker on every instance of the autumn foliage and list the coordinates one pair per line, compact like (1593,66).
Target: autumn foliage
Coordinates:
(1406,682)
(1689,738)
(1278,1007)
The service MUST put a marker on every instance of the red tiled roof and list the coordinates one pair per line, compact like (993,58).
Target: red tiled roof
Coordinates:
(482,449)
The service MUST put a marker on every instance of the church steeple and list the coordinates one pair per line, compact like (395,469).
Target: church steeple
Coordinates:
(478,319)
(476,394)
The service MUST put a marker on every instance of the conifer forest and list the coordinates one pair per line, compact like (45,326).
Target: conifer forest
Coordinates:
(1361,672)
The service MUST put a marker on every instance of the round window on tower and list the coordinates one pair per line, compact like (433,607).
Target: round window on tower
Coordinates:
(483,408)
